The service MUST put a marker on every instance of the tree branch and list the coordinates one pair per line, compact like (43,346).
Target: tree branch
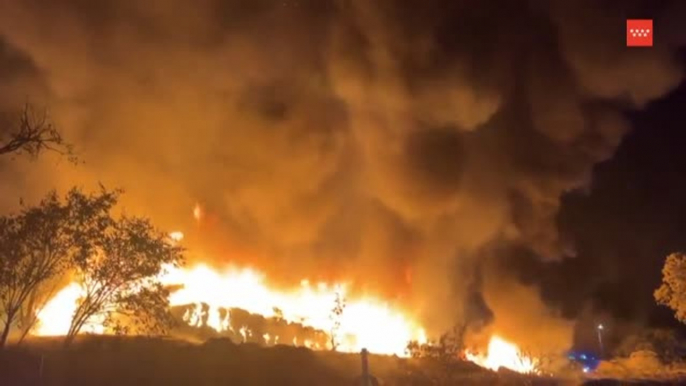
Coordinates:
(35,133)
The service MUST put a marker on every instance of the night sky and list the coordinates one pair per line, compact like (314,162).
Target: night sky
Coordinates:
(632,218)
(514,154)
(623,225)
(634,214)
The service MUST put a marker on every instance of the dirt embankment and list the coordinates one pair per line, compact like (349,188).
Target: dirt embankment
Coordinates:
(133,361)
(152,362)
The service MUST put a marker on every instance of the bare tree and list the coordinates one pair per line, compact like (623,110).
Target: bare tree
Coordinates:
(335,316)
(40,244)
(33,134)
(120,277)
(672,292)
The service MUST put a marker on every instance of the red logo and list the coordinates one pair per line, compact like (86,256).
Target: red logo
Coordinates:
(639,33)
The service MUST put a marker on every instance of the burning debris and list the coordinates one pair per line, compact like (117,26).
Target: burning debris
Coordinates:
(239,302)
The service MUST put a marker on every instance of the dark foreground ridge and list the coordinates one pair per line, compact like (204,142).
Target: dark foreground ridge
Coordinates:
(100,360)
(612,382)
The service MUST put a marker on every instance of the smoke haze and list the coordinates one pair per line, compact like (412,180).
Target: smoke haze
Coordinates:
(388,142)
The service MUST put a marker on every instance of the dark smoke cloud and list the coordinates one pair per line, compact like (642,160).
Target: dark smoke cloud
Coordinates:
(355,137)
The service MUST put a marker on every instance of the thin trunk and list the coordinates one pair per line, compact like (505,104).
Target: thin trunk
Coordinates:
(77,322)
(6,329)
(5,334)
(26,330)
(67,340)
(71,334)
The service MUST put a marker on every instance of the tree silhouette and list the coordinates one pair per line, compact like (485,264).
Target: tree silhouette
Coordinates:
(446,352)
(447,349)
(27,319)
(40,243)
(33,134)
(119,272)
(335,316)
(667,344)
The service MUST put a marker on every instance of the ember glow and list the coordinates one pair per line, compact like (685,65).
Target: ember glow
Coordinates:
(366,322)
(501,353)
(176,236)
(197,212)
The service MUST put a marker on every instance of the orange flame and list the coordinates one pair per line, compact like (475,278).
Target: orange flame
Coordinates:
(501,353)
(366,322)
(55,317)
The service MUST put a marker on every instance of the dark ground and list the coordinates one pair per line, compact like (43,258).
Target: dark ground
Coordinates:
(141,361)
(150,362)
(627,383)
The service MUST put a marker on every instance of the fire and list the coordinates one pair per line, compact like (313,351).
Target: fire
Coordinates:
(501,353)
(55,317)
(365,322)
(176,236)
(197,212)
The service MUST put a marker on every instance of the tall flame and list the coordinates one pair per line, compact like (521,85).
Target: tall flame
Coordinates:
(365,322)
(501,353)
(55,317)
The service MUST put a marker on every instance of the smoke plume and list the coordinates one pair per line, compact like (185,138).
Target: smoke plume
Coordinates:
(383,141)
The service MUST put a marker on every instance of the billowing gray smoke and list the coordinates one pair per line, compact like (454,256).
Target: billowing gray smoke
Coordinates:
(387,141)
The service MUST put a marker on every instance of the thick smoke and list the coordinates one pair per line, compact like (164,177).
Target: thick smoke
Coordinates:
(384,141)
